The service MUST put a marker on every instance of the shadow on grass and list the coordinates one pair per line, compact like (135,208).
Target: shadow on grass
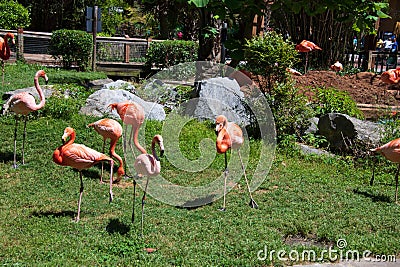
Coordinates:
(198,202)
(116,226)
(373,197)
(56,214)
(7,156)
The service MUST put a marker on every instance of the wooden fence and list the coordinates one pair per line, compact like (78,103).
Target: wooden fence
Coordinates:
(119,52)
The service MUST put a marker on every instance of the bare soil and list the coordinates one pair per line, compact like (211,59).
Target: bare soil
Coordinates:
(365,88)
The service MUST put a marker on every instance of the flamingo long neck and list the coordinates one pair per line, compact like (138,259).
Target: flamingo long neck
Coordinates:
(71,139)
(41,94)
(121,162)
(153,149)
(136,140)
(7,51)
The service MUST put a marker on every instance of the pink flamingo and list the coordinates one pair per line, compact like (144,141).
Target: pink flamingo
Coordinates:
(79,157)
(148,165)
(22,104)
(391,151)
(307,47)
(131,113)
(5,51)
(337,66)
(110,129)
(230,135)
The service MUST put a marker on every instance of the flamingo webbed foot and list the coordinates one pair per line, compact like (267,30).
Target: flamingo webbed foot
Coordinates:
(253,204)
(222,209)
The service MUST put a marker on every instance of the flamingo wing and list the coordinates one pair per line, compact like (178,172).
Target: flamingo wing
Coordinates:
(81,157)
(22,103)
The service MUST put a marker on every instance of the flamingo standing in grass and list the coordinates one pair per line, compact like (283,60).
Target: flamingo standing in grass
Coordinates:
(110,129)
(306,47)
(149,166)
(391,151)
(230,136)
(5,51)
(80,157)
(22,104)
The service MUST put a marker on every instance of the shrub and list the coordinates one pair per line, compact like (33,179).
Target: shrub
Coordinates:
(328,100)
(72,46)
(289,108)
(13,15)
(268,57)
(171,52)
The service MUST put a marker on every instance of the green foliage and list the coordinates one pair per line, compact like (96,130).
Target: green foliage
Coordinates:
(111,18)
(289,108)
(268,57)
(328,100)
(172,52)
(13,15)
(65,102)
(72,46)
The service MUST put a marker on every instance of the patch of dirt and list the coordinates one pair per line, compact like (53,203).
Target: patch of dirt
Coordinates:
(363,87)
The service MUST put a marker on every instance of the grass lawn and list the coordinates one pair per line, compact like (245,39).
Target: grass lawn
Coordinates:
(305,203)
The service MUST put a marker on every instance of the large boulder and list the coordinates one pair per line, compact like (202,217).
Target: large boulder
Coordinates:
(343,131)
(97,104)
(220,96)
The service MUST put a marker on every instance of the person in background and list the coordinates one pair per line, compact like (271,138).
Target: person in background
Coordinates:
(387,45)
(379,45)
(395,45)
(355,42)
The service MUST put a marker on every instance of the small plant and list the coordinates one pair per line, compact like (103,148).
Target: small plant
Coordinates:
(289,108)
(315,140)
(65,102)
(328,100)
(72,46)
(268,57)
(172,52)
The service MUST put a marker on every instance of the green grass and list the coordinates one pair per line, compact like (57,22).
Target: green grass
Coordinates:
(317,199)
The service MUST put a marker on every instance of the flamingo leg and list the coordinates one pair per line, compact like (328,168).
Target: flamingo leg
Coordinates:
(371,182)
(111,179)
(225,178)
(102,163)
(15,142)
(134,198)
(2,70)
(397,183)
(305,67)
(252,203)
(23,141)
(80,198)
(143,201)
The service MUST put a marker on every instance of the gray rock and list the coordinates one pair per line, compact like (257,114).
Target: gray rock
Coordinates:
(343,131)
(312,150)
(220,96)
(97,104)
(120,84)
(98,84)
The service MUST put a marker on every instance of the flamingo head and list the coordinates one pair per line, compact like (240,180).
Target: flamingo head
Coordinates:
(67,132)
(113,106)
(42,73)
(220,123)
(160,141)
(11,36)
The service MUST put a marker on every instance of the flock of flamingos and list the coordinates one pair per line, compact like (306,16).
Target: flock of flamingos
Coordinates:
(80,157)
